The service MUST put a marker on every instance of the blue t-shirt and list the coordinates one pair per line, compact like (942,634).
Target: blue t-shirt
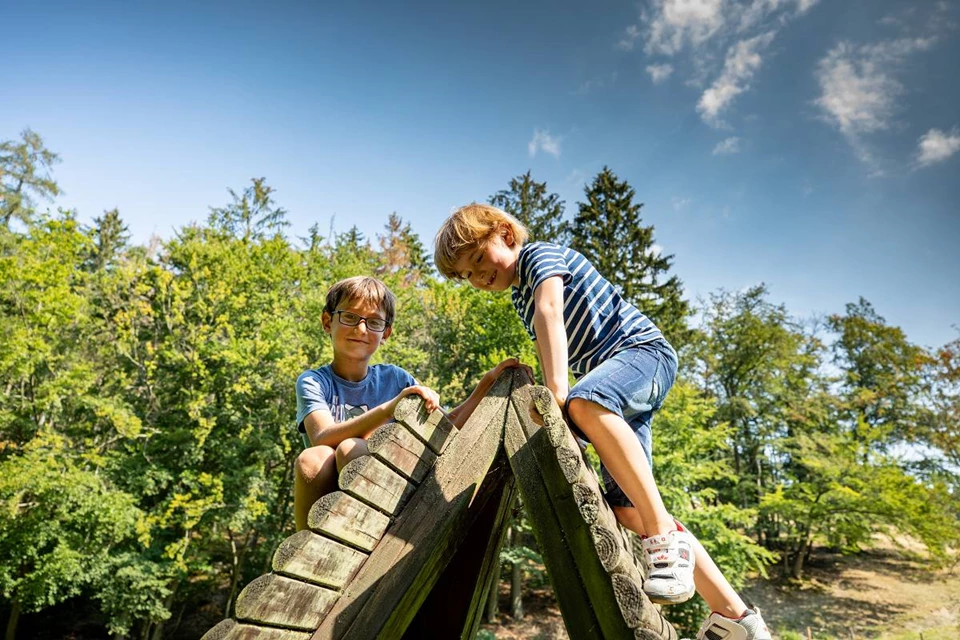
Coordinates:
(323,389)
(598,321)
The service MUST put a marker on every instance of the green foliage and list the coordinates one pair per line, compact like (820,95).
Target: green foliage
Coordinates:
(24,176)
(608,230)
(58,524)
(540,212)
(147,405)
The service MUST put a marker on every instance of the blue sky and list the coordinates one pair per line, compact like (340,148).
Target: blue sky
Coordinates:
(810,144)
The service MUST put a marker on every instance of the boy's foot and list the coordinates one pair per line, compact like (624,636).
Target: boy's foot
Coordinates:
(750,627)
(669,559)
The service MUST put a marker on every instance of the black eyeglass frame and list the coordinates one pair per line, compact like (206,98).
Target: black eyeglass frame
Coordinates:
(360,318)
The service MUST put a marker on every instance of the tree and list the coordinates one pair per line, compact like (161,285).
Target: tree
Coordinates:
(540,212)
(882,375)
(402,251)
(608,230)
(58,525)
(110,238)
(251,215)
(24,176)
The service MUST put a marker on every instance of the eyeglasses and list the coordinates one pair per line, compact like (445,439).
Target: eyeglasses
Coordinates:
(351,319)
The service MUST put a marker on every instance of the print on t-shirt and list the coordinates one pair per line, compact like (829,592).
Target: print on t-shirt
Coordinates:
(342,411)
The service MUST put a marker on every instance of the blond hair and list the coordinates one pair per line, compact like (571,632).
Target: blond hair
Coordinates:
(470,227)
(362,289)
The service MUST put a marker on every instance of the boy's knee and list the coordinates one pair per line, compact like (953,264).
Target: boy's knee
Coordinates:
(579,409)
(350,449)
(311,461)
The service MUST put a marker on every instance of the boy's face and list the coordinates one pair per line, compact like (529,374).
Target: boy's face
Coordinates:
(492,267)
(356,342)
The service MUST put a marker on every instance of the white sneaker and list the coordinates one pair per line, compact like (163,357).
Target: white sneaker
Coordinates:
(750,627)
(669,559)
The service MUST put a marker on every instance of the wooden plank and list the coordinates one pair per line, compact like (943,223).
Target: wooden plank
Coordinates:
(394,445)
(284,602)
(578,616)
(613,582)
(344,518)
(375,484)
(317,559)
(455,602)
(233,630)
(389,588)
(432,429)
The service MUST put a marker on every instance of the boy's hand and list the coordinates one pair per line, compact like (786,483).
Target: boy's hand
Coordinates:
(509,363)
(430,397)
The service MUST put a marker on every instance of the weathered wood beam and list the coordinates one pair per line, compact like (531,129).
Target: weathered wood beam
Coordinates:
(388,590)
(317,559)
(232,630)
(394,445)
(454,606)
(433,429)
(283,602)
(376,484)
(344,518)
(608,576)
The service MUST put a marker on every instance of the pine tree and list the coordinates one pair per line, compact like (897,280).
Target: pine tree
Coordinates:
(608,229)
(24,173)
(110,237)
(251,215)
(540,212)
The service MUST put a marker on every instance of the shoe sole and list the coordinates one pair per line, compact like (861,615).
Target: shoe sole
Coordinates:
(658,598)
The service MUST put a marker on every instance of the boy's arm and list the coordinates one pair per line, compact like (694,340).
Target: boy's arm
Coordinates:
(552,337)
(461,413)
(322,429)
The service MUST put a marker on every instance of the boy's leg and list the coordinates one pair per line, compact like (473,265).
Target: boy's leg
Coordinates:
(623,456)
(350,449)
(711,584)
(314,475)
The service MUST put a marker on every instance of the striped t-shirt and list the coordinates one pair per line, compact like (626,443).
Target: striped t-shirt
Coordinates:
(598,321)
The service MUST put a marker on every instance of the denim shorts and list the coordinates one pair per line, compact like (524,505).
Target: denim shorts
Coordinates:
(633,384)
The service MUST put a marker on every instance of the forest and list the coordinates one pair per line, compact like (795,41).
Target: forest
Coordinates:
(147,405)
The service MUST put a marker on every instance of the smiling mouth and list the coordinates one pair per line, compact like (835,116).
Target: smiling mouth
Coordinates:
(492,278)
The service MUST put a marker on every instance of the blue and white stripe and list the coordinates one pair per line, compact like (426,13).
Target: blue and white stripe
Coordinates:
(598,321)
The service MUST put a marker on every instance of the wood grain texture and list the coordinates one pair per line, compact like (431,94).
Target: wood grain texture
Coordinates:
(283,602)
(374,483)
(432,429)
(233,630)
(610,578)
(394,445)
(344,518)
(317,559)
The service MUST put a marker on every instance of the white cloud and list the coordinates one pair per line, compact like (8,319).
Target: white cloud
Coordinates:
(679,204)
(659,72)
(672,23)
(936,146)
(742,62)
(654,250)
(543,141)
(726,147)
(723,40)
(629,39)
(859,88)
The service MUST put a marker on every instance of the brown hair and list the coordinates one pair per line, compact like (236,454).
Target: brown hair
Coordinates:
(469,227)
(362,289)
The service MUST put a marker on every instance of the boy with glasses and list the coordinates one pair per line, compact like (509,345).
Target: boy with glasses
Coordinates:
(339,405)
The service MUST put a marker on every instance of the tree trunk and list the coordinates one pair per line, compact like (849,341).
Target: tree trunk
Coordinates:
(796,571)
(516,592)
(14,619)
(516,578)
(493,605)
